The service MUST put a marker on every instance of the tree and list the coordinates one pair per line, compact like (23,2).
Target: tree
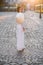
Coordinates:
(2,2)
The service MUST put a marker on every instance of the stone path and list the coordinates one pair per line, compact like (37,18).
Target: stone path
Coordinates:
(33,53)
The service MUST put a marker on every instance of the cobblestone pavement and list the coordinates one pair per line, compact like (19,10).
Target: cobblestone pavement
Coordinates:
(33,53)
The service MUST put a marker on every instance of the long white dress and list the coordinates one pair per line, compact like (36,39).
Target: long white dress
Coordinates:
(20,33)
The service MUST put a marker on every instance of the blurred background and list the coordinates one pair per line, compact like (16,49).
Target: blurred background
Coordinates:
(11,5)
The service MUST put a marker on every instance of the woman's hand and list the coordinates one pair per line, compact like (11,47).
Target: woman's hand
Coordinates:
(23,29)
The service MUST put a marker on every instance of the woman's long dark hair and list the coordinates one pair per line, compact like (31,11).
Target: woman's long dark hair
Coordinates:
(18,8)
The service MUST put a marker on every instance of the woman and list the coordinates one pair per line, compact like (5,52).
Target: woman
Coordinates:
(20,29)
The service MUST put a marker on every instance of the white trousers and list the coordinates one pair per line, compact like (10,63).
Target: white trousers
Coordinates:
(20,38)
